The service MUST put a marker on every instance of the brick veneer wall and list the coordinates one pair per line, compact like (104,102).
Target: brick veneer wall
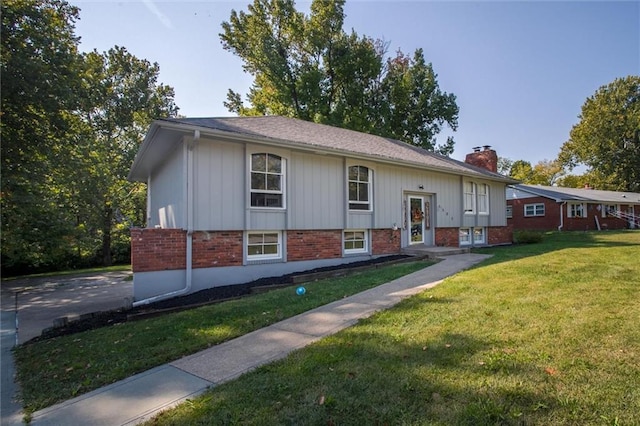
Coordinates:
(448,237)
(158,249)
(312,245)
(385,241)
(499,235)
(217,248)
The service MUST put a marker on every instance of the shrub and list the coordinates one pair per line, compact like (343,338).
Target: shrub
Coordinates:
(527,237)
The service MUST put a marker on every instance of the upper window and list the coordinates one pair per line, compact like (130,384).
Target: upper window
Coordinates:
(469,198)
(576,210)
(483,198)
(267,180)
(533,210)
(509,212)
(355,242)
(359,188)
(264,245)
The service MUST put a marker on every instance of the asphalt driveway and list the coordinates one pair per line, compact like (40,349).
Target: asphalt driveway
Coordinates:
(31,305)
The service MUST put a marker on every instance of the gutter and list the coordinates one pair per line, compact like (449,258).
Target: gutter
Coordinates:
(188,178)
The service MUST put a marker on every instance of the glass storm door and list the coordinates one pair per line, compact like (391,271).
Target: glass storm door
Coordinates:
(416,219)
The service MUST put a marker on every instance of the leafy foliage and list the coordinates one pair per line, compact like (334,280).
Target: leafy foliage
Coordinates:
(607,137)
(308,67)
(71,124)
(545,172)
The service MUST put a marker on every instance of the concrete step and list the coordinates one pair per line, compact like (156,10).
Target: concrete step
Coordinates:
(433,252)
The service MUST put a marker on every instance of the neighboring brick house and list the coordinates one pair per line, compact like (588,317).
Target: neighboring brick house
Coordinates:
(231,200)
(537,207)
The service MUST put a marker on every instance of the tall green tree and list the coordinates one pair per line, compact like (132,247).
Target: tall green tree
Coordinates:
(122,97)
(308,67)
(39,93)
(606,139)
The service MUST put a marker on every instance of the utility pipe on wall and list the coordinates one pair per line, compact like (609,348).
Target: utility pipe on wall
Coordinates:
(561,217)
(188,177)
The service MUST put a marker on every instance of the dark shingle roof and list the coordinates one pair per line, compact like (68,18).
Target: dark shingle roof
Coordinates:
(326,137)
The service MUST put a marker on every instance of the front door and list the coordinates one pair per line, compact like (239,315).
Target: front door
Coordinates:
(416,219)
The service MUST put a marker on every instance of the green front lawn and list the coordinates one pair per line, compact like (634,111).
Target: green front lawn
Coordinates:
(54,370)
(544,334)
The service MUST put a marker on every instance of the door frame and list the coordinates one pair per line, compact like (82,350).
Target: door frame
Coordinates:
(426,203)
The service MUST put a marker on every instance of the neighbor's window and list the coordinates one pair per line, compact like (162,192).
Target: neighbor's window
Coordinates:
(355,242)
(469,198)
(264,245)
(465,236)
(359,188)
(609,210)
(478,235)
(483,198)
(267,180)
(576,210)
(509,212)
(533,210)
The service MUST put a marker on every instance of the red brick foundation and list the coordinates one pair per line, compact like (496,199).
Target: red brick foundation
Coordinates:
(158,249)
(217,248)
(313,245)
(448,237)
(385,241)
(499,235)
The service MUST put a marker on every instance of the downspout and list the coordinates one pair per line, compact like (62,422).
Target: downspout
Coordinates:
(188,176)
(561,217)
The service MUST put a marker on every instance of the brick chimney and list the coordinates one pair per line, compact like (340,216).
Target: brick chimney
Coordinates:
(485,158)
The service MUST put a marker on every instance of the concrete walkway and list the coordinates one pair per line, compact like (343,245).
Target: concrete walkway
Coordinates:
(138,398)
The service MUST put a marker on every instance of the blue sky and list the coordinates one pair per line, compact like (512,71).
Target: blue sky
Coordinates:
(520,70)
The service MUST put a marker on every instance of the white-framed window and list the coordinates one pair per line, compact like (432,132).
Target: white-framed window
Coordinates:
(262,245)
(359,180)
(267,180)
(478,236)
(509,212)
(531,210)
(483,198)
(469,198)
(610,210)
(576,210)
(356,241)
(465,236)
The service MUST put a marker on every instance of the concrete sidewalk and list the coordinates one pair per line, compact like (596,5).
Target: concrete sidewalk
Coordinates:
(138,398)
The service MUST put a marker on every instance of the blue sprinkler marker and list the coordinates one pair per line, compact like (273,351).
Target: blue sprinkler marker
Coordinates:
(300,291)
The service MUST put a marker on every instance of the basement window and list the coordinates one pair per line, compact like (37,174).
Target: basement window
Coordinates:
(264,245)
(355,242)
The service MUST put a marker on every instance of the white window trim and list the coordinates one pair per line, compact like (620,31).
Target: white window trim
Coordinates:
(605,209)
(472,198)
(484,236)
(369,189)
(535,210)
(469,234)
(509,211)
(283,181)
(365,249)
(570,210)
(486,199)
(253,257)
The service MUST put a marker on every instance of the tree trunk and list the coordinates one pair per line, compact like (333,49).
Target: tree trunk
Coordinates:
(107,219)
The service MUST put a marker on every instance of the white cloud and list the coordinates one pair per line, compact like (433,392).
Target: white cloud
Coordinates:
(164,19)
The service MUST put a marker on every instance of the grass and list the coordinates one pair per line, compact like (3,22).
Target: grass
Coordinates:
(543,334)
(61,368)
